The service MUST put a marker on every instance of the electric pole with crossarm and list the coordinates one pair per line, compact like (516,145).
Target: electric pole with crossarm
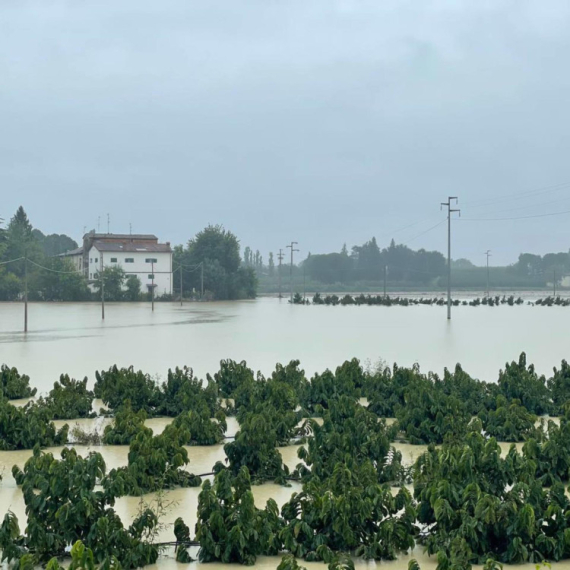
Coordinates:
(450,211)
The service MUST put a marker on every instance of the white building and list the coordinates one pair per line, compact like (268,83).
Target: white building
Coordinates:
(137,254)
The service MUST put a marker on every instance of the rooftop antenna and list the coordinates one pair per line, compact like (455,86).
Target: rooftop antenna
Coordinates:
(108,223)
(84,230)
(130,229)
(98,223)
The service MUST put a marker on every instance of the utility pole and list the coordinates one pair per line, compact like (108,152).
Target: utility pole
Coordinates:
(102,289)
(180,269)
(280,258)
(554,281)
(449,212)
(26,291)
(488,254)
(292,246)
(385,279)
(152,285)
(201,281)
(304,287)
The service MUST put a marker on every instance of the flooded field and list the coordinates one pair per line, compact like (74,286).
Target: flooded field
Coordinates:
(71,338)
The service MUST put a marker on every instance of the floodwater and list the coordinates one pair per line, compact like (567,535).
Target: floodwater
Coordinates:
(70,338)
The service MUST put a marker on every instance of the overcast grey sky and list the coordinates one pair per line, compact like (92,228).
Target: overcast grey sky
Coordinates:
(322,121)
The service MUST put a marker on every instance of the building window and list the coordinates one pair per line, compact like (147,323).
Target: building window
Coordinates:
(96,259)
(129,260)
(91,276)
(151,260)
(113,260)
(151,276)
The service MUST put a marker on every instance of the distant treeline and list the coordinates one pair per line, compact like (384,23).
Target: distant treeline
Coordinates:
(367,267)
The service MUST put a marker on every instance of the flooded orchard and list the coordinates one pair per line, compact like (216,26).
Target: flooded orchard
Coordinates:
(71,338)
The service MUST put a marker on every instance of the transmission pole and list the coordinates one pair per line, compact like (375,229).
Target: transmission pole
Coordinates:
(152,286)
(449,212)
(488,254)
(280,258)
(102,289)
(180,269)
(201,281)
(26,291)
(292,246)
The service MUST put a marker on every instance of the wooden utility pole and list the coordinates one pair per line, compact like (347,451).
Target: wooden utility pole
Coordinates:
(554,281)
(26,291)
(449,212)
(180,269)
(292,246)
(152,285)
(280,258)
(202,281)
(102,288)
(488,253)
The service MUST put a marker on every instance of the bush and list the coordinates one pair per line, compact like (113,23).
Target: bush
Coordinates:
(69,399)
(155,462)
(63,507)
(126,426)
(14,385)
(230,528)
(27,427)
(117,385)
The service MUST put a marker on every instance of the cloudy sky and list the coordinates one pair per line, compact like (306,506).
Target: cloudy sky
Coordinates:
(320,121)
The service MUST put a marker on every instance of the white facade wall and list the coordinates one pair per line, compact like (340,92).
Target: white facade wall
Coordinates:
(139,267)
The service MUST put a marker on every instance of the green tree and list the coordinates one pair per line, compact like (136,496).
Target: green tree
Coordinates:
(114,280)
(217,251)
(133,288)
(20,242)
(59,282)
(271,264)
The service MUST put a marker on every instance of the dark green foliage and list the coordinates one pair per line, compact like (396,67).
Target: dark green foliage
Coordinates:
(63,506)
(350,435)
(475,394)
(117,385)
(127,424)
(551,454)
(70,399)
(385,389)
(182,534)
(230,528)
(214,253)
(289,562)
(430,416)
(326,387)
(479,505)
(231,376)
(509,422)
(182,392)
(522,383)
(349,510)
(155,462)
(28,426)
(559,386)
(197,428)
(15,385)
(254,447)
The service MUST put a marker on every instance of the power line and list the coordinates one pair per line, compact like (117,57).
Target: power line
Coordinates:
(515,218)
(11,261)
(76,271)
(424,232)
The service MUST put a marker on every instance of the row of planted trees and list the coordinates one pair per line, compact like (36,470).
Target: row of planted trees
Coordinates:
(469,503)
